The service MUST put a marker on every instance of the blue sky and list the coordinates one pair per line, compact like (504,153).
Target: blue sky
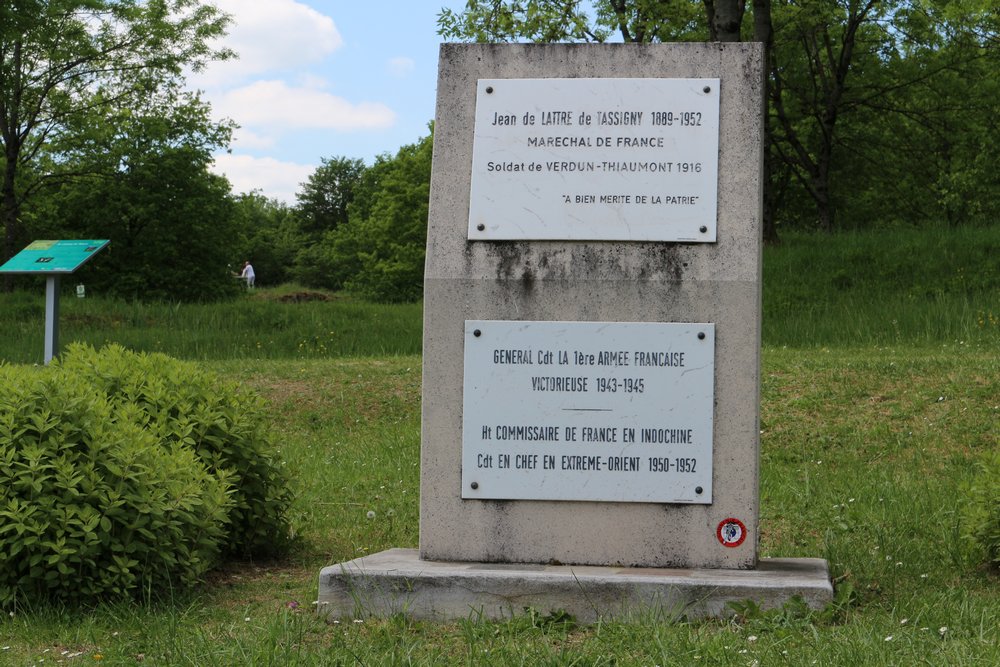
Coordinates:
(320,79)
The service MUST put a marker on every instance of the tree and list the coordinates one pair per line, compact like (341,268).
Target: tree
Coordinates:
(632,20)
(326,195)
(147,187)
(379,253)
(171,223)
(569,21)
(533,20)
(64,63)
(828,34)
(878,103)
(390,230)
(270,237)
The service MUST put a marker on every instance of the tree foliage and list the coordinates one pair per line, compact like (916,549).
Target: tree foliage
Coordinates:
(379,252)
(270,237)
(145,184)
(326,195)
(71,71)
(877,108)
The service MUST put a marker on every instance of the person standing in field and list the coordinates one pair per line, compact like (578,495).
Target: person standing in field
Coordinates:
(248,274)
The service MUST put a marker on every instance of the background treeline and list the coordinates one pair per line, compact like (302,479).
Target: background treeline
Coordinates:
(881,114)
(878,110)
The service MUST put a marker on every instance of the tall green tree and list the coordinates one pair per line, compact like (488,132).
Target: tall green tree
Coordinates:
(388,229)
(627,20)
(379,253)
(64,62)
(270,237)
(829,38)
(327,193)
(570,20)
(172,223)
(875,105)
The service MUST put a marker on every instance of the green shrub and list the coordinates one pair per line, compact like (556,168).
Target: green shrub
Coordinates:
(981,518)
(181,404)
(90,504)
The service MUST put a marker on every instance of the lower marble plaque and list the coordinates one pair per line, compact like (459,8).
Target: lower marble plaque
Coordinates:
(593,411)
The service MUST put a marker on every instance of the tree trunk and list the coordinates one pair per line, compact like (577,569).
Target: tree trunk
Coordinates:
(763,32)
(9,213)
(724,19)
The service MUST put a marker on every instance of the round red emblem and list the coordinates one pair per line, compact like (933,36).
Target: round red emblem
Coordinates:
(731,532)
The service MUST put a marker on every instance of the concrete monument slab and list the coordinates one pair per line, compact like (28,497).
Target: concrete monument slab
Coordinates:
(591,364)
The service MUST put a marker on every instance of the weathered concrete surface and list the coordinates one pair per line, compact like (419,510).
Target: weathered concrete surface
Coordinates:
(397,581)
(599,282)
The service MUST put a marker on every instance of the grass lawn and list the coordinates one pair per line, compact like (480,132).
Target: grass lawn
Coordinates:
(880,388)
(863,454)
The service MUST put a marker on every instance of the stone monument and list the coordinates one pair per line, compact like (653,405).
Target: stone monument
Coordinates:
(591,341)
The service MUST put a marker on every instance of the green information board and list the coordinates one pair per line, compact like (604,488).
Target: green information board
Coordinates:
(53,256)
(53,259)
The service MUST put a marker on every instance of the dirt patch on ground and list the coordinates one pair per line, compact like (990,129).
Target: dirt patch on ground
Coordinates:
(304,297)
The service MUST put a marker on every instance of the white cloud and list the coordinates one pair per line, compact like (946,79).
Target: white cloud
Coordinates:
(400,66)
(268,36)
(276,104)
(249,140)
(273,178)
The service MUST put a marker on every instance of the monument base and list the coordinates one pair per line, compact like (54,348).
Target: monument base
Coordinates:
(397,581)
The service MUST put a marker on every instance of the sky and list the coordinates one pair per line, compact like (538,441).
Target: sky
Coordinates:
(321,79)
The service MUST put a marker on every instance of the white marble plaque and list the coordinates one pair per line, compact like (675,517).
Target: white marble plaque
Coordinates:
(600,411)
(595,159)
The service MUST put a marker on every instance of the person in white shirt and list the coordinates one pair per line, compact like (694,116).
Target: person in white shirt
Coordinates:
(248,274)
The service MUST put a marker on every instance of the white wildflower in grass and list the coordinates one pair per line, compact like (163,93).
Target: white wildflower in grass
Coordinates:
(752,638)
(247,619)
(943,630)
(904,621)
(889,638)
(358,620)
(923,576)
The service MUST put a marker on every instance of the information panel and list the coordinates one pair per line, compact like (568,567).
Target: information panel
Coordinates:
(53,256)
(595,159)
(602,411)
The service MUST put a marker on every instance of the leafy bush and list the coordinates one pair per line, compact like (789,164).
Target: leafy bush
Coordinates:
(91,504)
(981,519)
(181,404)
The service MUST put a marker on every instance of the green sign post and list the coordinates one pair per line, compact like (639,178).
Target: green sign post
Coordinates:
(53,259)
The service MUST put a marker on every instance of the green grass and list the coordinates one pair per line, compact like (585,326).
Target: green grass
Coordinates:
(901,287)
(866,442)
(268,324)
(916,287)
(863,454)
